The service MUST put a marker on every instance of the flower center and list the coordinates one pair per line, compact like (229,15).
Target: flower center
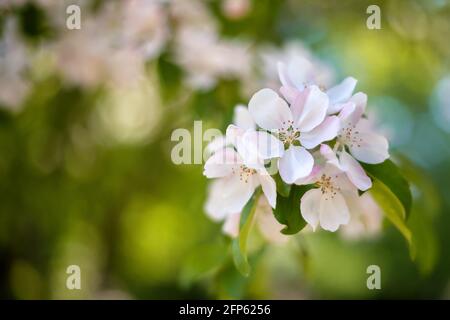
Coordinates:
(245,173)
(349,136)
(327,187)
(288,134)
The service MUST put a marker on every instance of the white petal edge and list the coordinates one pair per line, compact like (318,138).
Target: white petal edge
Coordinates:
(343,91)
(310,206)
(221,163)
(269,188)
(373,148)
(242,118)
(312,109)
(354,171)
(333,212)
(269,110)
(296,163)
(326,131)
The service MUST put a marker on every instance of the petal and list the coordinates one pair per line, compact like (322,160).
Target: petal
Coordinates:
(214,203)
(236,193)
(333,212)
(269,110)
(309,207)
(283,75)
(232,133)
(266,145)
(347,109)
(269,188)
(354,171)
(312,177)
(326,131)
(299,72)
(343,91)
(270,228)
(346,187)
(359,99)
(216,144)
(309,108)
(329,155)
(350,114)
(242,118)
(221,163)
(289,93)
(231,225)
(296,163)
(372,148)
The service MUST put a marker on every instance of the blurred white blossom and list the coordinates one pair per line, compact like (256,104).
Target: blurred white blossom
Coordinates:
(14,62)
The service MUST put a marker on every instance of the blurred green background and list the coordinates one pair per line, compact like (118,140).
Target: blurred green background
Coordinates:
(86,175)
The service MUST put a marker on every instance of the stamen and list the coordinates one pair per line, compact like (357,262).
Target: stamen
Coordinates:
(327,186)
(245,173)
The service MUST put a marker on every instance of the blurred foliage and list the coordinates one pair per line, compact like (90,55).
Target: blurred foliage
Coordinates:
(74,192)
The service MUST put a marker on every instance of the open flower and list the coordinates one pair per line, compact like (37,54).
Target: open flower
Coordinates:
(327,205)
(239,173)
(347,164)
(302,126)
(357,134)
(299,74)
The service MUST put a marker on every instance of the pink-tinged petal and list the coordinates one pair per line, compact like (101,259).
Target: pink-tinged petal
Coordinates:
(232,134)
(335,108)
(231,225)
(359,99)
(296,163)
(343,91)
(242,118)
(266,145)
(269,188)
(221,163)
(333,211)
(310,109)
(325,131)
(312,177)
(370,148)
(283,75)
(354,171)
(346,187)
(299,72)
(217,143)
(268,110)
(310,207)
(351,114)
(329,155)
(347,109)
(298,102)
(289,93)
(247,148)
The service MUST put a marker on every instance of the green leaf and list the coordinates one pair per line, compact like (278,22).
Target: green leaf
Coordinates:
(287,211)
(283,188)
(239,244)
(392,208)
(389,174)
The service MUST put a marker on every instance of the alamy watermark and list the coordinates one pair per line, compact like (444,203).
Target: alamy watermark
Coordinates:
(73,20)
(73,281)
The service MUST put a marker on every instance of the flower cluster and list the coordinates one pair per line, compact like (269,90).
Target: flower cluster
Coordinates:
(316,137)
